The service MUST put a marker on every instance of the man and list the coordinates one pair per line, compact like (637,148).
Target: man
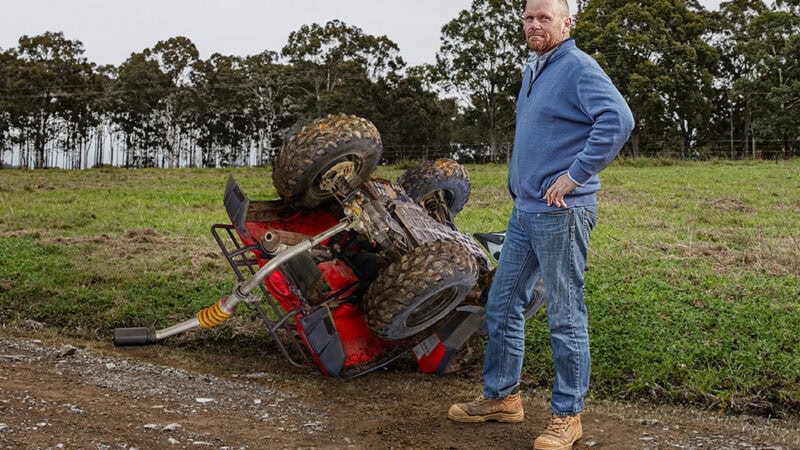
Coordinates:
(571,123)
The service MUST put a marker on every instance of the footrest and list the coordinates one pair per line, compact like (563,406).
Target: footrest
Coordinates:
(435,353)
(324,340)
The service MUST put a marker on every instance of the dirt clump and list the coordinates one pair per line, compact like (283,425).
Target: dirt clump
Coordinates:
(6,285)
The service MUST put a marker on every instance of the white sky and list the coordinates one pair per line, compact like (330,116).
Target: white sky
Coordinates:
(112,29)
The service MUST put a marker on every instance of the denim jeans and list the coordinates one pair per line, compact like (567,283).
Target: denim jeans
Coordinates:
(552,246)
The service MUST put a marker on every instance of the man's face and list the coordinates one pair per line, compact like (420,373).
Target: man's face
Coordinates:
(547,23)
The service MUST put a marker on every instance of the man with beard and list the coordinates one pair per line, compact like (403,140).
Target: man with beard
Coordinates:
(571,123)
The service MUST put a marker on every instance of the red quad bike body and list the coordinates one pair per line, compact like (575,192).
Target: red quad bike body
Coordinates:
(349,271)
(332,332)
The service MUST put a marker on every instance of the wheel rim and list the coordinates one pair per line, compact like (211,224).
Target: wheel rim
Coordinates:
(432,307)
(431,201)
(349,165)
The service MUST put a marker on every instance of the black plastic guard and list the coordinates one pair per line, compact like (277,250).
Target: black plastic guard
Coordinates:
(492,242)
(236,204)
(303,273)
(321,334)
(465,322)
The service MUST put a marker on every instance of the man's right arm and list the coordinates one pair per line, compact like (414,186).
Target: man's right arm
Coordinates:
(613,123)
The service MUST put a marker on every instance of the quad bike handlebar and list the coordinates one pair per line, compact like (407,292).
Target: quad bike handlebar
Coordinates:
(222,310)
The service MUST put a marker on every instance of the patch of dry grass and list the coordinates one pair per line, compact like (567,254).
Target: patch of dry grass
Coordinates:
(773,256)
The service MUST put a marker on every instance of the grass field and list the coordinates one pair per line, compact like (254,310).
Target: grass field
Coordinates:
(693,285)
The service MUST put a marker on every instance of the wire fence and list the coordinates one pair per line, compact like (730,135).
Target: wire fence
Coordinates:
(111,152)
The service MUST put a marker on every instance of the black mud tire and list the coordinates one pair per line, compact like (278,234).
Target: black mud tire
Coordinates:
(419,289)
(443,175)
(319,146)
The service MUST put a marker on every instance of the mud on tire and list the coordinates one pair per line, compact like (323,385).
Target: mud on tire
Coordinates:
(445,175)
(416,291)
(347,143)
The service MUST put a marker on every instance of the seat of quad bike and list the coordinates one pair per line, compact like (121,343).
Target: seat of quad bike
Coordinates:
(492,242)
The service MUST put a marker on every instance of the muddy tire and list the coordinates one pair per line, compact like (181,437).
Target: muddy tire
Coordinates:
(422,287)
(443,175)
(348,144)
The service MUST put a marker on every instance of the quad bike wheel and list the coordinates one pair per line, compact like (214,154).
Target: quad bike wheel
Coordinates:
(323,154)
(413,293)
(432,181)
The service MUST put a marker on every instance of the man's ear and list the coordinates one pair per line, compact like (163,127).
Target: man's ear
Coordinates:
(567,25)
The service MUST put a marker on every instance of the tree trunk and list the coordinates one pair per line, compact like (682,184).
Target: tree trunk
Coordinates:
(785,145)
(128,144)
(111,148)
(748,122)
(39,144)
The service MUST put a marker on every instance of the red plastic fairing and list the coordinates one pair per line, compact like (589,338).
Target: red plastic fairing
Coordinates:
(310,223)
(279,288)
(339,276)
(361,345)
(428,359)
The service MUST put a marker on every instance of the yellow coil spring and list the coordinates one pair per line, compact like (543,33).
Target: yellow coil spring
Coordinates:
(212,316)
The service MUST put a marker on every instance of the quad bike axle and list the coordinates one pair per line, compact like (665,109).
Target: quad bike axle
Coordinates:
(222,310)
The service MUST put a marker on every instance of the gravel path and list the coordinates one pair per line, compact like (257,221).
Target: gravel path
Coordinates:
(59,393)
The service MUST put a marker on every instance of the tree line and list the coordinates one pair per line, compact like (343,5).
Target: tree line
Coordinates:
(700,83)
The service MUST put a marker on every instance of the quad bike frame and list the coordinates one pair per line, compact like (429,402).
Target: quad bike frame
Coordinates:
(329,335)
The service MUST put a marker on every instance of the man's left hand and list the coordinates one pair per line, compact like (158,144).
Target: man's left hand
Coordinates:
(555,195)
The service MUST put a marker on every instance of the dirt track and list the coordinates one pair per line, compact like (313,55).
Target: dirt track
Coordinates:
(59,393)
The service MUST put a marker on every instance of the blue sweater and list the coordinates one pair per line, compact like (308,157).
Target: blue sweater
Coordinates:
(574,121)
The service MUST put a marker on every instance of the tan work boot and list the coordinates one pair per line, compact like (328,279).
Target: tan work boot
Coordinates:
(560,434)
(482,409)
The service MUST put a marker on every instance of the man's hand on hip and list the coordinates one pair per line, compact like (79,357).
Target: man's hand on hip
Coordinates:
(555,195)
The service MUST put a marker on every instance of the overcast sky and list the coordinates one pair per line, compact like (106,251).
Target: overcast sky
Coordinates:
(111,29)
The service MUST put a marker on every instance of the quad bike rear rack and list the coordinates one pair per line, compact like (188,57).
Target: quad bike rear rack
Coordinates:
(245,267)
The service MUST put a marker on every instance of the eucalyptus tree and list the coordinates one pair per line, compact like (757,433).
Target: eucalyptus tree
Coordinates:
(7,62)
(220,115)
(480,60)
(272,103)
(414,122)
(136,104)
(176,57)
(656,54)
(51,85)
(326,58)
(771,83)
(729,29)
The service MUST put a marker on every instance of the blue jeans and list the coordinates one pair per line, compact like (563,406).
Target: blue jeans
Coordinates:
(552,246)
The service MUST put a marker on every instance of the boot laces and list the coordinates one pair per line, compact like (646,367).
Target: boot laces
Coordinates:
(558,424)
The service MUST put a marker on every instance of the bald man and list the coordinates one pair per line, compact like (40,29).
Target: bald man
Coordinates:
(571,123)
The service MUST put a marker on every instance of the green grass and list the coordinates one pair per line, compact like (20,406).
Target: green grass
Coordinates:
(693,284)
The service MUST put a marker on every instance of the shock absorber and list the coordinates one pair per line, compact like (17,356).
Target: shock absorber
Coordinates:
(215,314)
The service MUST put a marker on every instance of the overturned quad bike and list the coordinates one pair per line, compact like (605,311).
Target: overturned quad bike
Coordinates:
(353,269)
